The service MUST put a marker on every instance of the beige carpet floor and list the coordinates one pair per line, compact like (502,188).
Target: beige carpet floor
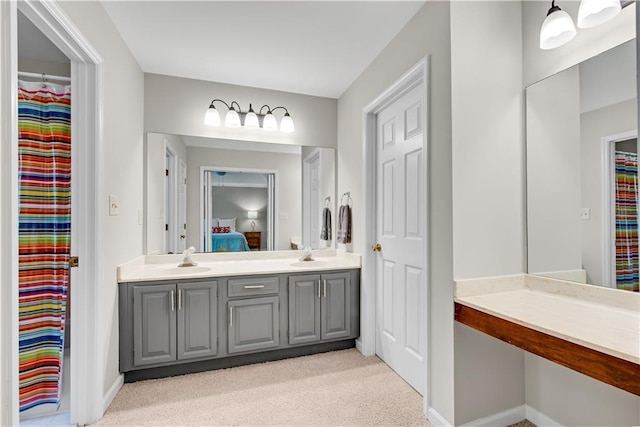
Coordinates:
(338,388)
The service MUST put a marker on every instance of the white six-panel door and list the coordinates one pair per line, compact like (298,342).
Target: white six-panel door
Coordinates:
(400,230)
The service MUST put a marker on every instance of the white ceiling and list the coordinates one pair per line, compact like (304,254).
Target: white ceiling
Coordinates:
(309,47)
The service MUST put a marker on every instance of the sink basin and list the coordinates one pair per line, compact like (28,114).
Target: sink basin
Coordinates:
(310,264)
(185,270)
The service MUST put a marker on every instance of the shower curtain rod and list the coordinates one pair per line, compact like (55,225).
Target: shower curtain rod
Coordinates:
(44,76)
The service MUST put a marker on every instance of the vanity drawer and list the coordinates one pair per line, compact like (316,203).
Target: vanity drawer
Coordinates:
(253,286)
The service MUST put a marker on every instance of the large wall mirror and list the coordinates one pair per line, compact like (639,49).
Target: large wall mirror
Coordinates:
(582,213)
(228,196)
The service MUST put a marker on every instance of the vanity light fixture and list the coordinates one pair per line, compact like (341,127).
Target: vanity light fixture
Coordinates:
(596,12)
(263,119)
(557,28)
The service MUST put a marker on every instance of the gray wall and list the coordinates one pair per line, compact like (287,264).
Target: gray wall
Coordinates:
(175,105)
(488,205)
(122,159)
(554,173)
(427,34)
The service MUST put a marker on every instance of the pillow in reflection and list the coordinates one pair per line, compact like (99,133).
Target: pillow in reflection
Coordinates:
(221,229)
(230,222)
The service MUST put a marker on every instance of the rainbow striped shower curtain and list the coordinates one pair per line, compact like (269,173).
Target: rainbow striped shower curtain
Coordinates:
(627,221)
(44,179)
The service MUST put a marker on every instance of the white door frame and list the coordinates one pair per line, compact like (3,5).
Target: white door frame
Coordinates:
(272,211)
(306,195)
(367,341)
(171,200)
(608,205)
(87,342)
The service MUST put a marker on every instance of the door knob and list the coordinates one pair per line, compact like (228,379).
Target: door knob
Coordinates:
(376,247)
(182,236)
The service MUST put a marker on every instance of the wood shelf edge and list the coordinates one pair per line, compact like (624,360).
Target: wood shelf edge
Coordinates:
(609,369)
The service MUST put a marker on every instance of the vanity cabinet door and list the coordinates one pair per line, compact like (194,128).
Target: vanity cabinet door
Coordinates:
(304,309)
(319,307)
(336,306)
(197,320)
(254,324)
(154,324)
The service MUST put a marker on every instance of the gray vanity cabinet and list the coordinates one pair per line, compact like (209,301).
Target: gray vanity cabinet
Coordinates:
(174,322)
(154,324)
(254,313)
(254,324)
(319,307)
(174,327)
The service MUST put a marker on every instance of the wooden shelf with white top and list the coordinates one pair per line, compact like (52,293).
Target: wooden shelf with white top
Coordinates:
(562,322)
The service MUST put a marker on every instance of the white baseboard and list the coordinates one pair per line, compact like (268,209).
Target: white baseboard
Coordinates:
(540,419)
(504,418)
(436,419)
(113,390)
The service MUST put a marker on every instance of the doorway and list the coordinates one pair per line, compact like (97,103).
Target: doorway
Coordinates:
(86,394)
(395,304)
(237,209)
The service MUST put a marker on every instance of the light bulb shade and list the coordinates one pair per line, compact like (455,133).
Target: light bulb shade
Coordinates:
(251,120)
(252,214)
(596,12)
(211,117)
(286,125)
(232,119)
(557,29)
(269,122)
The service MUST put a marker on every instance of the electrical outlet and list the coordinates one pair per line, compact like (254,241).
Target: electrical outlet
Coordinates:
(114,207)
(585,213)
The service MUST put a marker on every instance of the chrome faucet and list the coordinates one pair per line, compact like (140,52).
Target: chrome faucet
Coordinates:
(307,254)
(187,261)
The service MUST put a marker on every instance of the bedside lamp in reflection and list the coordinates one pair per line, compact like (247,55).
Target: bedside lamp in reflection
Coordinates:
(252,215)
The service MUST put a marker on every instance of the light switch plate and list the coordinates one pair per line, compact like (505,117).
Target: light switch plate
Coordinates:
(114,207)
(585,213)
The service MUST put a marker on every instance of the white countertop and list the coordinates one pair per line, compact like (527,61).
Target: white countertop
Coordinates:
(165,267)
(602,319)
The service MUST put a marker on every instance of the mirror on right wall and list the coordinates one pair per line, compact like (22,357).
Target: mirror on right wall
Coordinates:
(582,198)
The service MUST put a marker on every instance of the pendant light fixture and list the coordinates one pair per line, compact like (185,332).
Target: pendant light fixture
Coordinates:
(251,120)
(596,12)
(557,28)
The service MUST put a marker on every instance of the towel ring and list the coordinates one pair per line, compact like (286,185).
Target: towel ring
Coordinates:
(327,202)
(346,194)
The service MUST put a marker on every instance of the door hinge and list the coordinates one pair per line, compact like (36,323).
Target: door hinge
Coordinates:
(73,261)
(185,181)
(184,226)
(166,172)
(166,227)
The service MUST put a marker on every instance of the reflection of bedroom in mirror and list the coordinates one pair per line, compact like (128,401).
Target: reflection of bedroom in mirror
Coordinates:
(582,209)
(173,210)
(237,209)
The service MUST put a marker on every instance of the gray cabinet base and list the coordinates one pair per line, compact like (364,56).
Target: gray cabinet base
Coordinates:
(230,362)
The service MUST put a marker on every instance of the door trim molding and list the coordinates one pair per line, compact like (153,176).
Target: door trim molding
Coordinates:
(608,205)
(86,73)
(417,75)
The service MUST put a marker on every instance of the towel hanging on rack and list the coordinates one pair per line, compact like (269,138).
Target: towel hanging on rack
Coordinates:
(325,233)
(344,224)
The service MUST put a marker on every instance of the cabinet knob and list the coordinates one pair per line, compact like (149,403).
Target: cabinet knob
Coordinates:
(376,248)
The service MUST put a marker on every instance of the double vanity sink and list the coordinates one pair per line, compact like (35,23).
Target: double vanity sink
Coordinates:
(161,267)
(234,308)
